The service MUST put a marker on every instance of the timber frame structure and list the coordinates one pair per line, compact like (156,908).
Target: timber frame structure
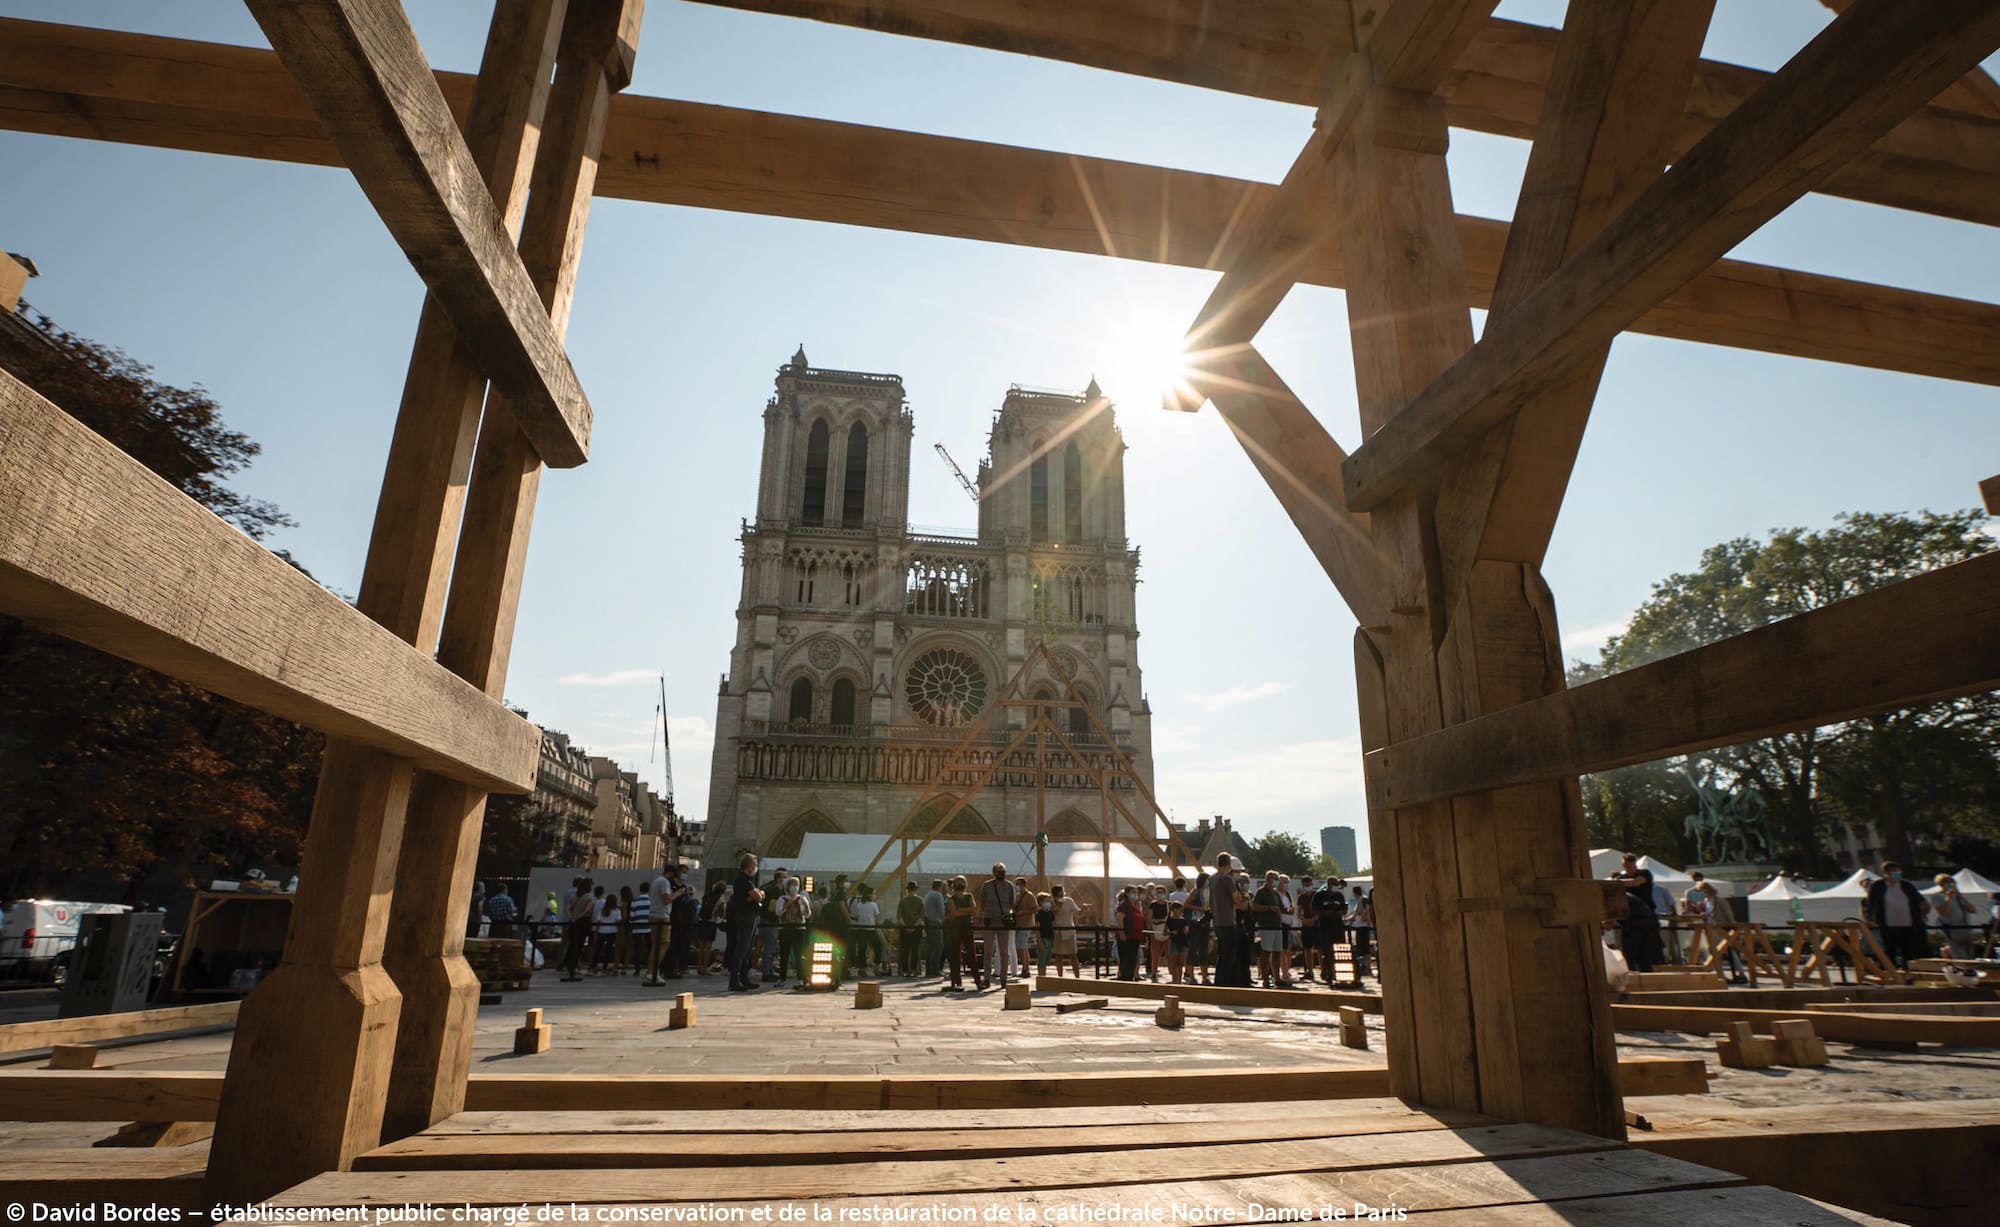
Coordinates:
(1433,529)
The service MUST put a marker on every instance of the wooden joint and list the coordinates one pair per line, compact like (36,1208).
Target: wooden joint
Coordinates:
(606,32)
(1399,119)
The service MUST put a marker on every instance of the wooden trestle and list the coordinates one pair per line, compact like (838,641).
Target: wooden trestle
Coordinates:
(1433,529)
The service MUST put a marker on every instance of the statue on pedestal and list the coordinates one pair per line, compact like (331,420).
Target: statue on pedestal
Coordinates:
(1729,827)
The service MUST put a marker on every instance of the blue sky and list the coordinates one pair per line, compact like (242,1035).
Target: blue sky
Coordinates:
(277,288)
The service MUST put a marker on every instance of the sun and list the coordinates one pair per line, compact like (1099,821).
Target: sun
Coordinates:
(1142,359)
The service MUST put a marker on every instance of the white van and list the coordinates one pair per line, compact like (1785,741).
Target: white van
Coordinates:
(38,934)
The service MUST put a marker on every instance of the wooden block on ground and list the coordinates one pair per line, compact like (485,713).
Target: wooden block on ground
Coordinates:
(1089,1003)
(73,1056)
(1353,1027)
(681,1017)
(533,1037)
(1742,1048)
(1170,1014)
(684,1001)
(160,1133)
(1018,997)
(534,1018)
(868,995)
(1793,1043)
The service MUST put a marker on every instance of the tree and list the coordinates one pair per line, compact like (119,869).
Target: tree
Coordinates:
(1279,850)
(1324,866)
(1924,776)
(113,777)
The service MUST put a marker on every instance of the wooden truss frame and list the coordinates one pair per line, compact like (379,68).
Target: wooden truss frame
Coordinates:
(1433,529)
(1063,757)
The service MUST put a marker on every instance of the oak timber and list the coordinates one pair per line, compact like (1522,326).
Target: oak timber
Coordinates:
(109,1095)
(1205,994)
(1847,1026)
(1875,65)
(99,549)
(1943,160)
(1935,636)
(358,63)
(1989,494)
(96,1028)
(1414,43)
(218,99)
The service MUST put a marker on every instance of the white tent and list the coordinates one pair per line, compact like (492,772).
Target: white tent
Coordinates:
(1841,901)
(1772,903)
(824,854)
(1970,883)
(1663,873)
(1605,861)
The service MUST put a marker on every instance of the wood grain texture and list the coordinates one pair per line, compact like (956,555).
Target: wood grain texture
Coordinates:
(109,1095)
(1847,1026)
(235,100)
(358,63)
(1933,637)
(96,548)
(1203,994)
(25,1036)
(1414,43)
(1872,67)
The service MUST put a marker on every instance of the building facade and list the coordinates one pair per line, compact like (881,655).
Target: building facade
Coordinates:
(1338,844)
(863,648)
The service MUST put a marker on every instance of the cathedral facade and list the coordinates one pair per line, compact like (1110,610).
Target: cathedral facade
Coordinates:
(864,648)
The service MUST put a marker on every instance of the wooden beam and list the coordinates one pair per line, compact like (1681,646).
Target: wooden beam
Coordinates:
(1615,88)
(96,548)
(109,1095)
(358,63)
(27,1036)
(206,97)
(1872,67)
(1981,1031)
(1203,994)
(1989,493)
(1414,43)
(1944,160)
(1300,461)
(1975,93)
(1936,636)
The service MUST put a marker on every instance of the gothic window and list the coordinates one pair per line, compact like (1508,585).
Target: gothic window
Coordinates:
(967,821)
(1075,722)
(806,571)
(856,487)
(802,701)
(851,572)
(843,703)
(785,845)
(945,586)
(814,510)
(945,687)
(1038,499)
(1072,493)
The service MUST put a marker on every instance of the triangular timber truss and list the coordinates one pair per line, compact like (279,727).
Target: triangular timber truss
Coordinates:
(1050,751)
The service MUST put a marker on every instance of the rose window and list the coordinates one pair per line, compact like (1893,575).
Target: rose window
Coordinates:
(945,687)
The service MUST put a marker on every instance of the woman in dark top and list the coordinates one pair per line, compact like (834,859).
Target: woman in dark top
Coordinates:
(1045,924)
(958,910)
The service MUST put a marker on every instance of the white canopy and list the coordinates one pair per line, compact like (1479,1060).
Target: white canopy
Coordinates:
(1774,904)
(826,853)
(1663,873)
(1971,883)
(1605,861)
(1855,886)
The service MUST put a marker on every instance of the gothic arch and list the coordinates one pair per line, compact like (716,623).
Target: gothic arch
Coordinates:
(967,821)
(1072,824)
(790,837)
(854,481)
(812,503)
(808,654)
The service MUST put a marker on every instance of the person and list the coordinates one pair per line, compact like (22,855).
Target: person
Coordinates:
(1131,920)
(683,918)
(1361,928)
(1222,905)
(767,928)
(707,927)
(1045,931)
(476,914)
(1713,911)
(1330,910)
(1958,918)
(1308,925)
(746,902)
(551,910)
(1024,923)
(1157,910)
(1267,910)
(867,917)
(1201,928)
(1062,918)
(1694,900)
(609,918)
(660,908)
(581,912)
(958,914)
(639,923)
(622,953)
(934,935)
(795,912)
(1177,942)
(500,912)
(996,904)
(1897,908)
(910,931)
(1639,932)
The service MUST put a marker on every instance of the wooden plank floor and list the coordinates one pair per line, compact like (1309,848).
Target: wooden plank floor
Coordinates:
(1161,1164)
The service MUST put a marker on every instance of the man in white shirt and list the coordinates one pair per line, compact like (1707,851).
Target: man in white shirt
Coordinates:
(996,906)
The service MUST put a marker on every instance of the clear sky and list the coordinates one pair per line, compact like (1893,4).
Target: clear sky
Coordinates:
(277,288)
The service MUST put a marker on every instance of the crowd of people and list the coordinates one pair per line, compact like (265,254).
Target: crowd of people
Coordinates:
(1222,927)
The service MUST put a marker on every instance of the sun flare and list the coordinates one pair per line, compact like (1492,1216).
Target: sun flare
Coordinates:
(1142,360)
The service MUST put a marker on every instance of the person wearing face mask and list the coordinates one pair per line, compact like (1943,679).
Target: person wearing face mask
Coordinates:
(794,910)
(1897,908)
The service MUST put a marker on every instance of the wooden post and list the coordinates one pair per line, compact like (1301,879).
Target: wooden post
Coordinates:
(309,1072)
(434,1048)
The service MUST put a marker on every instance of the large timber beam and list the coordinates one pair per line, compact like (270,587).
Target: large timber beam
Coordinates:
(211,98)
(359,64)
(101,550)
(1875,64)
(1943,160)
(1414,43)
(1933,637)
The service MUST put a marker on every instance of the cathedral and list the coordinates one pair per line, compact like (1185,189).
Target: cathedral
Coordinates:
(864,648)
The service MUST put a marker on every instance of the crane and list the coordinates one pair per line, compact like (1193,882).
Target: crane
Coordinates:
(963,480)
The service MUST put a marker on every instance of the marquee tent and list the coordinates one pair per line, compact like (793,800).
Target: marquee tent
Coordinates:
(1841,901)
(1665,874)
(1771,904)
(1970,883)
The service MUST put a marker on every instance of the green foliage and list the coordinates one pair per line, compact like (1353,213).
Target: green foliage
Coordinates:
(110,773)
(1279,850)
(1928,777)
(1324,866)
